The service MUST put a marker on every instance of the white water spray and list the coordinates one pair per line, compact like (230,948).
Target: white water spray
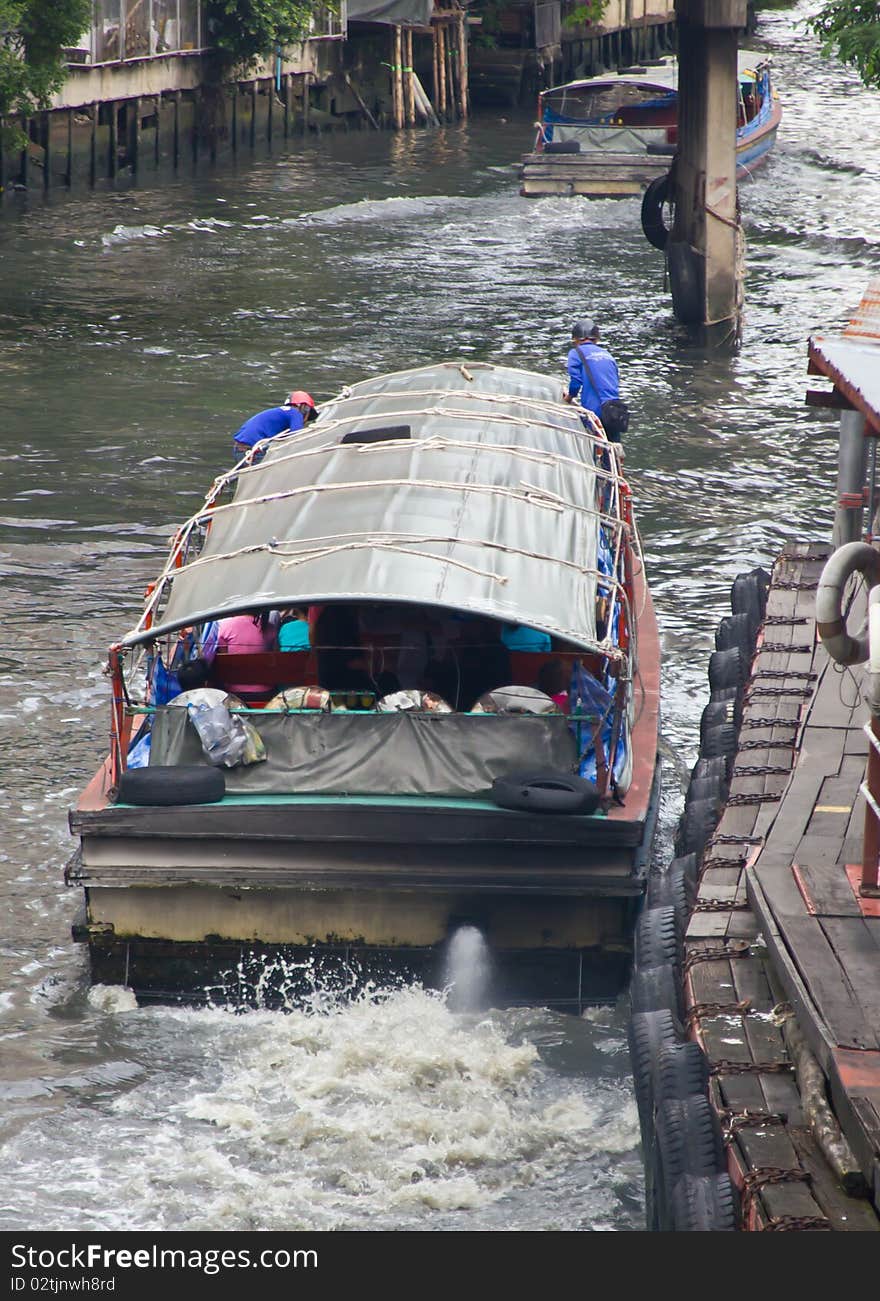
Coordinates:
(468,968)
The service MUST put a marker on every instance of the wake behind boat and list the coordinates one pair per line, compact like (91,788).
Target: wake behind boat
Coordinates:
(612,135)
(469,736)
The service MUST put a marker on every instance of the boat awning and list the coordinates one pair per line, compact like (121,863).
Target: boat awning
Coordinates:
(662,76)
(852,360)
(484,500)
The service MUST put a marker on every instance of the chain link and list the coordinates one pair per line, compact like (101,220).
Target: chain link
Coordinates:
(765,798)
(760,770)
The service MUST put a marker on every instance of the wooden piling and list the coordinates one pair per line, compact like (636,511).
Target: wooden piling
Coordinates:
(46,148)
(93,147)
(435,69)
(253,113)
(286,84)
(398,77)
(450,72)
(69,177)
(306,102)
(133,142)
(441,63)
(113,139)
(462,65)
(176,138)
(408,78)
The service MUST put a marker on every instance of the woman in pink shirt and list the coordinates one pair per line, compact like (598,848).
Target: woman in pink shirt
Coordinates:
(247,634)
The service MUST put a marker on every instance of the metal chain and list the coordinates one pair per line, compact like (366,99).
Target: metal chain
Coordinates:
(770,722)
(764,798)
(733,840)
(778,691)
(786,673)
(779,619)
(722,862)
(720,906)
(699,1010)
(724,1067)
(767,745)
(720,953)
(795,585)
(760,770)
(755,1180)
(781,648)
(779,1223)
(733,1121)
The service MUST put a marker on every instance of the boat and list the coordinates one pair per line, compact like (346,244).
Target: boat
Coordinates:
(612,135)
(465,544)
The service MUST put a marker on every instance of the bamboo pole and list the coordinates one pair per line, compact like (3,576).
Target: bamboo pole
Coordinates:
(398,77)
(441,59)
(408,82)
(462,63)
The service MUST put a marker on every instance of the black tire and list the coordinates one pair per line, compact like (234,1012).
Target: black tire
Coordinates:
(736,630)
(706,788)
(748,595)
(703,1204)
(717,713)
(655,989)
(728,668)
(656,230)
(675,888)
(697,823)
(545,792)
(689,865)
(720,740)
(704,767)
(186,784)
(681,1070)
(687,1141)
(657,939)
(648,1033)
(732,696)
(562,147)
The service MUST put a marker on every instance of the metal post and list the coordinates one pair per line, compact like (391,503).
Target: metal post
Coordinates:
(851,457)
(871,840)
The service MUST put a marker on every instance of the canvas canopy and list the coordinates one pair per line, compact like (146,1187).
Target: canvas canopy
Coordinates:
(489,506)
(410,13)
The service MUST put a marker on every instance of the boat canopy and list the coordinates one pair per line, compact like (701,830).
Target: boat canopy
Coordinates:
(476,491)
(661,77)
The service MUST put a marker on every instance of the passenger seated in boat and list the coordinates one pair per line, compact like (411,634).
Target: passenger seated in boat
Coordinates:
(247,634)
(293,629)
(484,661)
(553,680)
(343,663)
(193,674)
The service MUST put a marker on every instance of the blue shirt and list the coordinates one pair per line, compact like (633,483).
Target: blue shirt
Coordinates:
(268,423)
(294,635)
(604,373)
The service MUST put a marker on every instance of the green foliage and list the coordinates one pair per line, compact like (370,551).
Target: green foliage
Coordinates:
(32,36)
(587,14)
(851,29)
(244,31)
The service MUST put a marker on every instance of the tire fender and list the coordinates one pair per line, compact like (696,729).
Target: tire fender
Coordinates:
(656,232)
(853,558)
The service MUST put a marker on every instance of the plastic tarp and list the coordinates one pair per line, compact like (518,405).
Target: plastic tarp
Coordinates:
(489,507)
(380,754)
(410,13)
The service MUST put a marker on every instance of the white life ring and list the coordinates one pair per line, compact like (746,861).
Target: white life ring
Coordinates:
(853,558)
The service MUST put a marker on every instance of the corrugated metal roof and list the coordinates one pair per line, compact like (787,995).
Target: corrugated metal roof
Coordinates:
(489,505)
(852,360)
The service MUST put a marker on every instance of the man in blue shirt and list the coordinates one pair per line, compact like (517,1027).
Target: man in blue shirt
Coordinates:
(602,381)
(293,414)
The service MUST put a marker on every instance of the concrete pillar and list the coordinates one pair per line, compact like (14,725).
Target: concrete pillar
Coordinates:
(851,465)
(704,249)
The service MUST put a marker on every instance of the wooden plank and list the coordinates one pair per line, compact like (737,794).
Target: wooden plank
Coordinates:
(829,989)
(857,952)
(827,883)
(847,1214)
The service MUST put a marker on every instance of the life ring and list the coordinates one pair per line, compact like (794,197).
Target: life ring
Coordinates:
(852,558)
(656,230)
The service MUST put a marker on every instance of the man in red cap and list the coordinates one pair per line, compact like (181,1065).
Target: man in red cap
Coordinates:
(292,414)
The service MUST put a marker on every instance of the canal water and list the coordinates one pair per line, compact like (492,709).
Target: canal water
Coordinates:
(137,330)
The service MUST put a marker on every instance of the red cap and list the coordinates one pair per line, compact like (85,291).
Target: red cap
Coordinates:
(299,396)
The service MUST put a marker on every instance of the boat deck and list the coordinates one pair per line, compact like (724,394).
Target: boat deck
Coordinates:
(780,944)
(597,174)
